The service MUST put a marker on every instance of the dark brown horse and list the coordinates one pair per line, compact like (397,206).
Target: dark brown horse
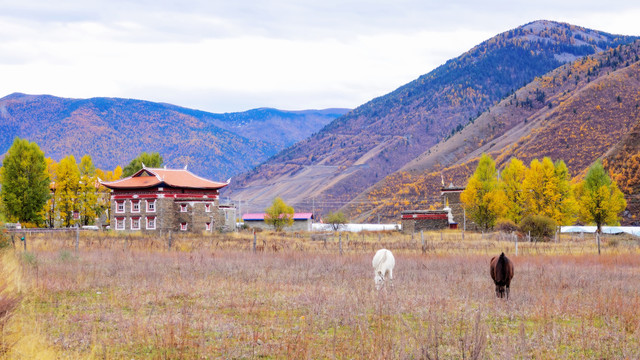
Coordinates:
(501,273)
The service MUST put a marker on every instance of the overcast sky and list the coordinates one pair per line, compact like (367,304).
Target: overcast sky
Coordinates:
(234,55)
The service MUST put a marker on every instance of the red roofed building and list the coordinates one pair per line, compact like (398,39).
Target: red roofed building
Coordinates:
(163,200)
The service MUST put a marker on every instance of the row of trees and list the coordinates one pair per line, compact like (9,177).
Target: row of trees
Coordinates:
(39,191)
(544,188)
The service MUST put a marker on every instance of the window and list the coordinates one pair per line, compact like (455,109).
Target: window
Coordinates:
(151,223)
(207,207)
(183,207)
(151,206)
(135,223)
(183,226)
(120,223)
(208,226)
(120,206)
(135,206)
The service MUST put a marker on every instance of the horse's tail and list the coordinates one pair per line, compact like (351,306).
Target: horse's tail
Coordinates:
(501,268)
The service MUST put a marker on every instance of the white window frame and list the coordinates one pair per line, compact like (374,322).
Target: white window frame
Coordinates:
(207,226)
(133,206)
(118,203)
(151,203)
(120,221)
(207,207)
(153,221)
(184,207)
(184,226)
(136,218)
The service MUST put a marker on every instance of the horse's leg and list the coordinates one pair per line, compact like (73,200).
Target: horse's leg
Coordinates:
(507,292)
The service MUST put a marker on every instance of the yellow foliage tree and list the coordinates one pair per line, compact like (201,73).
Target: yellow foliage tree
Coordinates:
(483,200)
(67,187)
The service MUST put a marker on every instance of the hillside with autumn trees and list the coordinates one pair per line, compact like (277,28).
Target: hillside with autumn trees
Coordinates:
(380,137)
(113,131)
(577,113)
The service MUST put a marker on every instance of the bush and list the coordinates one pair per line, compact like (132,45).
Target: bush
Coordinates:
(541,227)
(506,226)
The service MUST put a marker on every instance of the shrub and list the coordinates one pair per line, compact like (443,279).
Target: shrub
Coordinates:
(506,225)
(540,227)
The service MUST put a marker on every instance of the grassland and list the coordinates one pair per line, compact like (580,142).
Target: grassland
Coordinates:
(296,298)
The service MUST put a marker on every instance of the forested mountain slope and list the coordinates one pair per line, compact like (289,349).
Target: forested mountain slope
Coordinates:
(576,113)
(113,131)
(360,148)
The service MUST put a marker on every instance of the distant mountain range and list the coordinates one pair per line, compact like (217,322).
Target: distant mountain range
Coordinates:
(579,112)
(114,131)
(352,154)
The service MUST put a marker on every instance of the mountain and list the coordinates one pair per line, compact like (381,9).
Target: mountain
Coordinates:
(114,131)
(582,111)
(376,139)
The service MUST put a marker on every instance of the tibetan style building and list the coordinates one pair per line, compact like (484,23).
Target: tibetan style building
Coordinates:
(452,216)
(164,200)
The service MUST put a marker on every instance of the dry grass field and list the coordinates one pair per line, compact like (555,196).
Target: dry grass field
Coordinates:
(133,297)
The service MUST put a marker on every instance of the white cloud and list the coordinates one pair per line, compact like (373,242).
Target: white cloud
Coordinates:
(232,56)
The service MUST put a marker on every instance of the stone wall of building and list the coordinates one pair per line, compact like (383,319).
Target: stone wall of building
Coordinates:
(424,220)
(169,217)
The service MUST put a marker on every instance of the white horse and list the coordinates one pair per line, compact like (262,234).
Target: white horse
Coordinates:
(383,263)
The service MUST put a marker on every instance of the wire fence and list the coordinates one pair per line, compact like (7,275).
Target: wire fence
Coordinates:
(438,243)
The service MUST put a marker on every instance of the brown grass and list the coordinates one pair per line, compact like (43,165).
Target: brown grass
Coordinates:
(217,299)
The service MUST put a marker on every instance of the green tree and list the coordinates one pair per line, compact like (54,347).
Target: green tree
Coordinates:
(599,198)
(25,182)
(87,191)
(150,160)
(67,189)
(279,214)
(336,219)
(483,201)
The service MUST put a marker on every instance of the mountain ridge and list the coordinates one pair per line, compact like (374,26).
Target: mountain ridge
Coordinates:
(377,138)
(114,130)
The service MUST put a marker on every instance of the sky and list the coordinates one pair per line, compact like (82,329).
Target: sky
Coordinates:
(234,55)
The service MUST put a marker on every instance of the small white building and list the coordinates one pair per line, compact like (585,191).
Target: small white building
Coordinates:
(301,221)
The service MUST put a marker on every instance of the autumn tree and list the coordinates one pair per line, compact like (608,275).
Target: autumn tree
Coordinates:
(87,191)
(511,182)
(50,208)
(67,189)
(483,201)
(599,198)
(547,190)
(335,219)
(25,182)
(150,160)
(279,214)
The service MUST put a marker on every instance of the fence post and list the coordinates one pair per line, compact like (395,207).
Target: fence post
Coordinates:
(77,238)
(516,237)
(340,242)
(24,241)
(254,241)
(598,240)
(13,242)
(424,247)
(169,240)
